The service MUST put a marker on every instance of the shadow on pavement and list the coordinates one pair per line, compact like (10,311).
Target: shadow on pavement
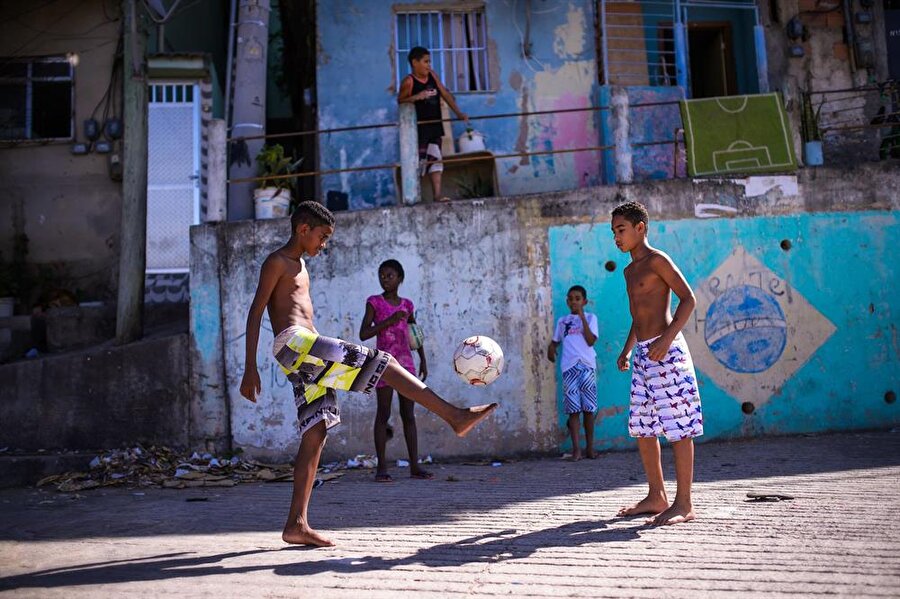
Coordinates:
(486,548)
(355,501)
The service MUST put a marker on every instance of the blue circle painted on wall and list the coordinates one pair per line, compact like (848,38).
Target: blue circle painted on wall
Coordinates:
(745,329)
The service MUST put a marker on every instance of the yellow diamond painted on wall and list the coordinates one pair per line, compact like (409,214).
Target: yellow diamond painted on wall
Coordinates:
(751,331)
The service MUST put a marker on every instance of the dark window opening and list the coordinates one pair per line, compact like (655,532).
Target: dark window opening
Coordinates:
(36,99)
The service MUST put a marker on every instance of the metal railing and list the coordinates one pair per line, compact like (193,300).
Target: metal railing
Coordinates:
(861,123)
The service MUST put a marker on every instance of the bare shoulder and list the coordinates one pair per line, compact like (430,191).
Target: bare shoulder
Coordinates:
(660,260)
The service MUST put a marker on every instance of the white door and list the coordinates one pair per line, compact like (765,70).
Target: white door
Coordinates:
(173,175)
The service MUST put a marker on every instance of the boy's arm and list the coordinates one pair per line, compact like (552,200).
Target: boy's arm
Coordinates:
(405,94)
(622,361)
(669,273)
(271,270)
(448,98)
(589,337)
(554,344)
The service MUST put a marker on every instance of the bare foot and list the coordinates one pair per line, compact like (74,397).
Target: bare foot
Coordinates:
(469,417)
(591,454)
(675,514)
(301,534)
(651,504)
(576,456)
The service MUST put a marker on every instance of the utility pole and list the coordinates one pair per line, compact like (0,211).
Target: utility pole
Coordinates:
(249,112)
(133,230)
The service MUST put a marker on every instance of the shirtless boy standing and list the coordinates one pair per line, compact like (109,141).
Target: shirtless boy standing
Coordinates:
(317,365)
(664,396)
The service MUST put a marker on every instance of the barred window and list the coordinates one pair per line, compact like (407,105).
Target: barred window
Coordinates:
(36,99)
(457,41)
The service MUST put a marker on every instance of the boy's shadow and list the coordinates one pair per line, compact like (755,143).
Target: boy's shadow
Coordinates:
(486,548)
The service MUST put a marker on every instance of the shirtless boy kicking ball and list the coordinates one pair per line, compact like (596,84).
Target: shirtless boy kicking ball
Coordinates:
(317,365)
(664,396)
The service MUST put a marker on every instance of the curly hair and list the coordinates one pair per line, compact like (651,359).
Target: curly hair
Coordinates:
(633,212)
(311,213)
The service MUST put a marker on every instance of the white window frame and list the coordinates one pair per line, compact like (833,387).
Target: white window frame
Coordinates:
(448,55)
(29,80)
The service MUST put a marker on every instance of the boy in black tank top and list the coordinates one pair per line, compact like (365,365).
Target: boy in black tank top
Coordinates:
(425,90)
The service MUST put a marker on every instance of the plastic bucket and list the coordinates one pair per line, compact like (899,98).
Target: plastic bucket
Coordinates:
(271,202)
(471,141)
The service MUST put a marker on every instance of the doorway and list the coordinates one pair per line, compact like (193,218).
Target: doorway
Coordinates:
(711,55)
(173,187)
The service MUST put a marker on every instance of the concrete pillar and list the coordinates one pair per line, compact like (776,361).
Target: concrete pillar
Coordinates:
(210,415)
(249,108)
(621,127)
(409,154)
(217,172)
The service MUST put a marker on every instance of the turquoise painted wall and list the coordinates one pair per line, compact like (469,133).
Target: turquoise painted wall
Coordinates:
(806,336)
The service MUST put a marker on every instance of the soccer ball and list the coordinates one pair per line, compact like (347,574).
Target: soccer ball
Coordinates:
(478,360)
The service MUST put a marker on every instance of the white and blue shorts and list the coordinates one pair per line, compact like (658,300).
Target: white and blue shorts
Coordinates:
(580,389)
(665,400)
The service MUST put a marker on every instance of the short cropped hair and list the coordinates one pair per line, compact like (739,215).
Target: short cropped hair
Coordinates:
(417,53)
(579,289)
(392,264)
(311,213)
(633,212)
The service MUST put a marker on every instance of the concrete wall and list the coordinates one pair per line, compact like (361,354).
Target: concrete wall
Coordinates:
(66,205)
(98,398)
(356,83)
(501,267)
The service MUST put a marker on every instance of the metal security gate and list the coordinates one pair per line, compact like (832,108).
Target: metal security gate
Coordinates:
(173,175)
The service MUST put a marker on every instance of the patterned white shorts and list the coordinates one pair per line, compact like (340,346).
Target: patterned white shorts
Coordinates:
(665,400)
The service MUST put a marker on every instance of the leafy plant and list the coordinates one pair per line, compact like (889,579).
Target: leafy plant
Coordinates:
(271,162)
(809,119)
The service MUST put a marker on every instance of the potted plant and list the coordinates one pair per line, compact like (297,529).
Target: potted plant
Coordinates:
(273,197)
(809,130)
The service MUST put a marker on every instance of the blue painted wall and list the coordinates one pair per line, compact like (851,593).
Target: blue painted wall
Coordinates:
(356,85)
(806,336)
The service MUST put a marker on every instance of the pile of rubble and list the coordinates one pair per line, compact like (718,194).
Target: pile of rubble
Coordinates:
(162,467)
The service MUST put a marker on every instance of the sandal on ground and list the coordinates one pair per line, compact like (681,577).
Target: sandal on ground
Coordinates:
(383,478)
(422,475)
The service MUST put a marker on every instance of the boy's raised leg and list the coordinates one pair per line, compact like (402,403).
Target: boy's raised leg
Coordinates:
(589,418)
(573,426)
(461,420)
(681,510)
(297,530)
(655,501)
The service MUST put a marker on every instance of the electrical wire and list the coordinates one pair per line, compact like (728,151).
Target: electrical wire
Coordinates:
(15,53)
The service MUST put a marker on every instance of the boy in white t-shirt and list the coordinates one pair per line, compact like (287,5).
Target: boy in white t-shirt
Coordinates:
(577,332)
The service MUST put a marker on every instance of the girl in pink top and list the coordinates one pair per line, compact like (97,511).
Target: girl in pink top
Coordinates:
(387,316)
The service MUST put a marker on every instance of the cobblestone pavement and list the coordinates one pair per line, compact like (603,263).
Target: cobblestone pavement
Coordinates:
(530,528)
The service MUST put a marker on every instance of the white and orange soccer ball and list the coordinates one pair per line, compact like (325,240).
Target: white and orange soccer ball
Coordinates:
(478,360)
